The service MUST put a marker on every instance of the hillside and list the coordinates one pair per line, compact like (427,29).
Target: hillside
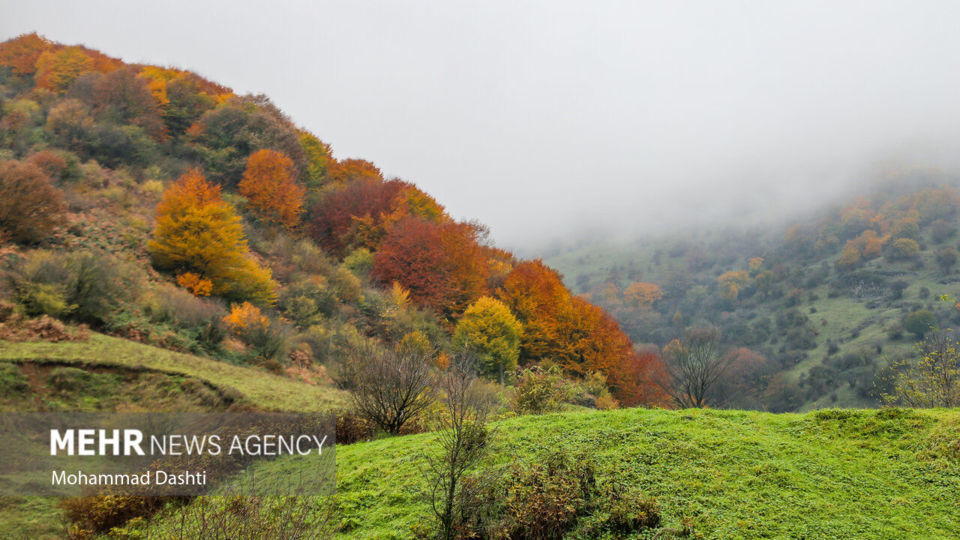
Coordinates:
(722,474)
(812,310)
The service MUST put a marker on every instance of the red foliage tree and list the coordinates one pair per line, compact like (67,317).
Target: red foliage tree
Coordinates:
(441,264)
(347,216)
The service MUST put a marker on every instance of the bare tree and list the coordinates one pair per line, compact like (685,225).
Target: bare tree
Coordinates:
(694,363)
(389,387)
(462,436)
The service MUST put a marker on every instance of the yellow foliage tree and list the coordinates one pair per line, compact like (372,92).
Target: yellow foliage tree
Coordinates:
(57,69)
(490,330)
(732,282)
(200,233)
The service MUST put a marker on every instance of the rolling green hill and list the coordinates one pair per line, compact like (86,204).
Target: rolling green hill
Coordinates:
(891,473)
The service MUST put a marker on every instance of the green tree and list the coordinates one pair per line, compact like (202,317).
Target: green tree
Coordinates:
(920,322)
(903,249)
(947,258)
(490,330)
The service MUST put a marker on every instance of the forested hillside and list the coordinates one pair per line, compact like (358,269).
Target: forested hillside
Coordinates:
(812,313)
(152,204)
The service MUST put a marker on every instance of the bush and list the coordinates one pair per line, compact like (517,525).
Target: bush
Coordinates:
(82,286)
(198,320)
(31,208)
(541,390)
(12,380)
(558,496)
(100,513)
(267,340)
(920,322)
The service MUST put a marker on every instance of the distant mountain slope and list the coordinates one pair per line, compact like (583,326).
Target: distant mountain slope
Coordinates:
(817,307)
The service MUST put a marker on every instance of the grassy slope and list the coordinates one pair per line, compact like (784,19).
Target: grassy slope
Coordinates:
(38,517)
(890,473)
(259,388)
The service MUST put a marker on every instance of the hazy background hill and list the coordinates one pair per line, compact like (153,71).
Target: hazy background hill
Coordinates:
(813,309)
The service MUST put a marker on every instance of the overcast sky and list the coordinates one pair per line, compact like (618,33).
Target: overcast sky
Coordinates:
(544,119)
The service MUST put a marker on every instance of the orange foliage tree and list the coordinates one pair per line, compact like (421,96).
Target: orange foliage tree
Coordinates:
(198,232)
(644,295)
(577,335)
(31,207)
(22,52)
(352,170)
(269,185)
(57,69)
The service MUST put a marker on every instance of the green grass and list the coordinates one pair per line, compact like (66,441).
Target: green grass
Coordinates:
(124,375)
(259,388)
(890,473)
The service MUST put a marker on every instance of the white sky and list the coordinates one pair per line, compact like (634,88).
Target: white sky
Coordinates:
(547,119)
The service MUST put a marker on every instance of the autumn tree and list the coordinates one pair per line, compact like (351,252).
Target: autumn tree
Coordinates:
(732,283)
(575,334)
(21,53)
(57,69)
(642,295)
(441,264)
(933,380)
(224,137)
(947,258)
(270,187)
(351,216)
(492,333)
(352,170)
(31,207)
(123,97)
(535,293)
(319,158)
(70,123)
(198,232)
(903,249)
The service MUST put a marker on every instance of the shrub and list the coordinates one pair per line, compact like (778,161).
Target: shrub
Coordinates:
(558,496)
(200,320)
(541,390)
(100,513)
(12,380)
(920,322)
(903,249)
(31,208)
(268,341)
(83,286)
